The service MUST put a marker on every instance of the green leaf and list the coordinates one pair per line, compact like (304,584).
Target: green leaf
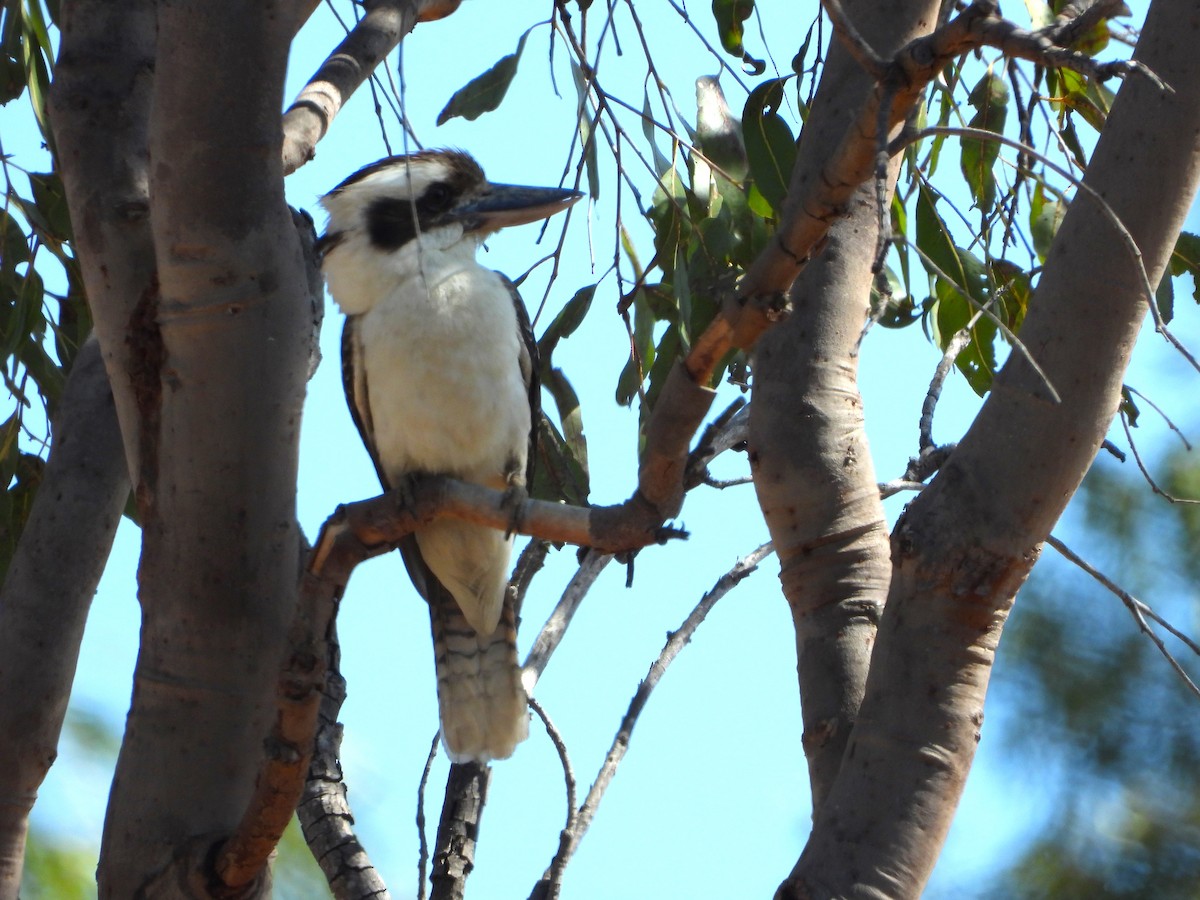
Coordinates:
(558,475)
(14,244)
(1012,289)
(485,92)
(770,146)
(661,164)
(51,200)
(682,292)
(729,15)
(896,310)
(977,360)
(1045,215)
(12,79)
(667,352)
(1164,299)
(933,237)
(1185,260)
(990,98)
(569,413)
(1129,407)
(21,473)
(568,319)
(587,139)
(636,366)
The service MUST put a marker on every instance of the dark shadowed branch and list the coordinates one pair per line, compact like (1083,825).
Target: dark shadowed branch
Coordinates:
(324,810)
(458,829)
(48,590)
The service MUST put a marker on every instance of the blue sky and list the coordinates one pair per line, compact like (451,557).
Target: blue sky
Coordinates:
(712,799)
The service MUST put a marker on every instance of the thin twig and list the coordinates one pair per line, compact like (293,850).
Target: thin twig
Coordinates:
(1175,428)
(675,643)
(423,844)
(891,488)
(864,54)
(556,625)
(1136,609)
(945,364)
(1137,457)
(557,865)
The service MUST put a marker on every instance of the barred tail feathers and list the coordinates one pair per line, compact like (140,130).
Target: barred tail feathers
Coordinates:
(482,703)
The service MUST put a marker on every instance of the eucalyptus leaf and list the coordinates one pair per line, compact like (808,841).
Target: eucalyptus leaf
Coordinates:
(484,92)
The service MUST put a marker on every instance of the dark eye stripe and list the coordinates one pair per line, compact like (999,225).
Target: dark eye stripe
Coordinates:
(390,223)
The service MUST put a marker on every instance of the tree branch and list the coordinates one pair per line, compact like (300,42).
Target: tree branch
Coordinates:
(375,36)
(458,830)
(676,641)
(967,542)
(103,83)
(813,204)
(48,590)
(324,810)
(1136,608)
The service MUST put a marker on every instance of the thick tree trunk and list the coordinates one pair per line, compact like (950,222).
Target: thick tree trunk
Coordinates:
(808,446)
(968,542)
(48,591)
(208,366)
(99,107)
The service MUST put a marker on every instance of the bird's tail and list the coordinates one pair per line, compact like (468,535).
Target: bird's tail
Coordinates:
(481,700)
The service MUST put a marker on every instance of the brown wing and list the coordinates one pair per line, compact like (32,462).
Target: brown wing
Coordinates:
(358,398)
(354,383)
(531,366)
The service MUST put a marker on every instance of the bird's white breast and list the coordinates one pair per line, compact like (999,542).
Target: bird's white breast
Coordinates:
(441,348)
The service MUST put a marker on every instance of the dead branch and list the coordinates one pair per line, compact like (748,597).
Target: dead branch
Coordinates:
(289,747)
(48,589)
(458,830)
(559,863)
(676,641)
(423,844)
(324,811)
(929,406)
(556,625)
(372,527)
(1141,464)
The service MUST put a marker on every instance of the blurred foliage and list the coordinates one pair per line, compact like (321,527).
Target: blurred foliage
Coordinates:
(1113,726)
(61,867)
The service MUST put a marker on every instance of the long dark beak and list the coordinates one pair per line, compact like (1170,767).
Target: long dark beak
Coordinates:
(502,205)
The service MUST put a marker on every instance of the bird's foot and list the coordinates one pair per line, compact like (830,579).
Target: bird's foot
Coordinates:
(404,490)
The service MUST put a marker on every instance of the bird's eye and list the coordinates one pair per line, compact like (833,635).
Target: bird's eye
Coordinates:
(437,197)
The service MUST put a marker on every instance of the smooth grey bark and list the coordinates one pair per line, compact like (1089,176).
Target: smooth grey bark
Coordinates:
(968,542)
(222,349)
(48,591)
(808,447)
(103,82)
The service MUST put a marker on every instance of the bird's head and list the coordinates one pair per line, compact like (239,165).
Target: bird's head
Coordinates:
(391,203)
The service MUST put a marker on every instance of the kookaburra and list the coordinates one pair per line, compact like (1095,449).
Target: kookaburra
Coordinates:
(440,370)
